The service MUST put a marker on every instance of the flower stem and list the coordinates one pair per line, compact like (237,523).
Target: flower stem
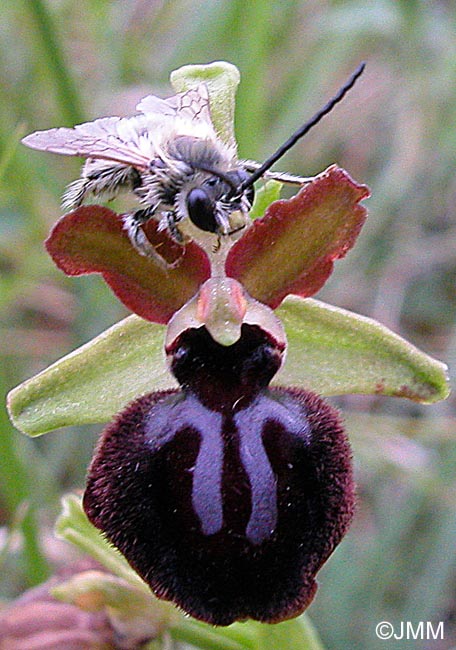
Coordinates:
(296,634)
(208,638)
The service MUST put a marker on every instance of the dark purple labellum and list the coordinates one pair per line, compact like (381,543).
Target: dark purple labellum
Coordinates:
(226,496)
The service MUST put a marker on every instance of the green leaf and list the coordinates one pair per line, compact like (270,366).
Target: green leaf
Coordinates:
(221,79)
(95,381)
(334,352)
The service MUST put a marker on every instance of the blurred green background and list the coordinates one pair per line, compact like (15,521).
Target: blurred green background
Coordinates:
(63,62)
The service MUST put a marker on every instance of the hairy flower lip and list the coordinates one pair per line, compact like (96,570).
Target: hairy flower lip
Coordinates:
(162,477)
(225,472)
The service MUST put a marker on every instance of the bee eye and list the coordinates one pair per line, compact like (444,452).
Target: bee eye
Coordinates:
(212,182)
(201,210)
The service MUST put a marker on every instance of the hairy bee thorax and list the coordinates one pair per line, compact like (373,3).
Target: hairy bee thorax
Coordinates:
(189,186)
(183,162)
(192,188)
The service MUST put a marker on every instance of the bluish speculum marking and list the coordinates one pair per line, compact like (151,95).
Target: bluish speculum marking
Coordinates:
(210,473)
(207,475)
(250,424)
(207,472)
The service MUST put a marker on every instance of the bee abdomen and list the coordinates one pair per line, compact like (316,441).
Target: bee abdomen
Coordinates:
(100,179)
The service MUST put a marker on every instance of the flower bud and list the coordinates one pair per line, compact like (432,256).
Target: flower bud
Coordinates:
(37,620)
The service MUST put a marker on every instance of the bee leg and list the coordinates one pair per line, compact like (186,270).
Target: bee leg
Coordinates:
(251,166)
(216,247)
(169,222)
(137,236)
(132,224)
(100,179)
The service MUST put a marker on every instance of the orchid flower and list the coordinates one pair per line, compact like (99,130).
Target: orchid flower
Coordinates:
(226,479)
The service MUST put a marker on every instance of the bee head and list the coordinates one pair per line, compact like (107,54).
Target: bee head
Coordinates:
(219,192)
(234,187)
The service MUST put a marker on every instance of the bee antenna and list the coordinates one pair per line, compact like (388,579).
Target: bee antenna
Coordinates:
(305,128)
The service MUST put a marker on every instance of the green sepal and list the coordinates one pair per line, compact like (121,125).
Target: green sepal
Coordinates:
(336,352)
(222,80)
(95,381)
(330,350)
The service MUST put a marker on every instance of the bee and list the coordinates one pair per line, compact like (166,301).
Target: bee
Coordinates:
(171,159)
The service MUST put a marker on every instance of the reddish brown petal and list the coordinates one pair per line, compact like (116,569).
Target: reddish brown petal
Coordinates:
(293,247)
(92,240)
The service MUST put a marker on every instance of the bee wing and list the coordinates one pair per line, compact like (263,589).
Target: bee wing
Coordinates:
(191,106)
(122,140)
(131,141)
